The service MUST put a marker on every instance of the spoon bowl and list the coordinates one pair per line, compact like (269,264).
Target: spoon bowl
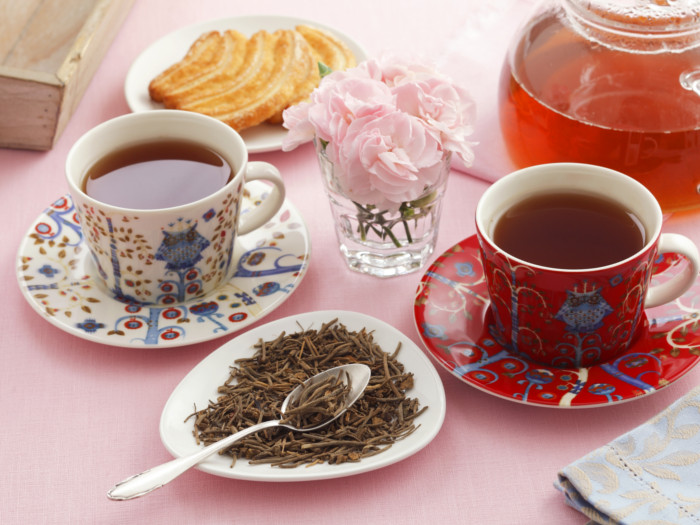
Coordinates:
(354,377)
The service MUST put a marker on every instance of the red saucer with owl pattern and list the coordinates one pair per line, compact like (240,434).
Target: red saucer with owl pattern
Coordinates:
(453,319)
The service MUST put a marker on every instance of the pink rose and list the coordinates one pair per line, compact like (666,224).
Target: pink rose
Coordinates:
(388,160)
(394,69)
(444,107)
(386,125)
(340,100)
(296,120)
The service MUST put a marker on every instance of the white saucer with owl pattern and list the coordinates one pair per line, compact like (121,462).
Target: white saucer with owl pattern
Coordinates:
(59,280)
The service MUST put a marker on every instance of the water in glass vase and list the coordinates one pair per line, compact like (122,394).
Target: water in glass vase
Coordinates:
(381,242)
(386,243)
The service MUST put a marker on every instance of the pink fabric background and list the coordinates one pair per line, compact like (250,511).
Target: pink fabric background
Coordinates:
(78,416)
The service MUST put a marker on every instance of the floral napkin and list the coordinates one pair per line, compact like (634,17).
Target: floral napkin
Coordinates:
(651,475)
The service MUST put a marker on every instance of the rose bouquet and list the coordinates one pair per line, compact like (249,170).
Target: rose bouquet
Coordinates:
(386,124)
(388,128)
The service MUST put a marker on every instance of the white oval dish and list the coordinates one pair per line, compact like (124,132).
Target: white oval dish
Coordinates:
(200,384)
(173,47)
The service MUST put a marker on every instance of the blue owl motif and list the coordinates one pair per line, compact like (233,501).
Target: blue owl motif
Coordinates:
(583,311)
(181,249)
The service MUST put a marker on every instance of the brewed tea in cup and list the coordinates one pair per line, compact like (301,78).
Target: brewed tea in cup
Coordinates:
(157,174)
(566,229)
(158,196)
(568,252)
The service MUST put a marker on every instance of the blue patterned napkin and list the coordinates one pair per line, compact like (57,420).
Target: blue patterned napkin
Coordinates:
(651,475)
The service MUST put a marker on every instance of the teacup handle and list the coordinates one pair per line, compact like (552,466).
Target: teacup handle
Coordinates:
(259,215)
(680,283)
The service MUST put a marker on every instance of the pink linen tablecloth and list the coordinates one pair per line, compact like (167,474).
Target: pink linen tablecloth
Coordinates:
(79,416)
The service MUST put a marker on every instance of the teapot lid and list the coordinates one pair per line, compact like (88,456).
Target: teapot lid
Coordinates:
(641,25)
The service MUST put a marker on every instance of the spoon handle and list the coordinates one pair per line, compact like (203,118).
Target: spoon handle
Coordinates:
(154,478)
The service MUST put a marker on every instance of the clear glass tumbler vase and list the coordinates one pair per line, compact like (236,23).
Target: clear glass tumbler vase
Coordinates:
(382,242)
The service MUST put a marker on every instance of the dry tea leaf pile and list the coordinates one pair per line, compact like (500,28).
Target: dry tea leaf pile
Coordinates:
(257,386)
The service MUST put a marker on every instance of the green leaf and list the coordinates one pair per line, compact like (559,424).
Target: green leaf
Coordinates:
(324,70)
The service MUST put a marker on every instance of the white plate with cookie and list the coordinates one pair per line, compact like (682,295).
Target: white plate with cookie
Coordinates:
(173,47)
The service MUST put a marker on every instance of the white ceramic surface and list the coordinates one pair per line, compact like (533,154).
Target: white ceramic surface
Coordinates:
(199,386)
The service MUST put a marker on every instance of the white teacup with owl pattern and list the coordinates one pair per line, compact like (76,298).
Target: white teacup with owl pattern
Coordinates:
(175,254)
(573,318)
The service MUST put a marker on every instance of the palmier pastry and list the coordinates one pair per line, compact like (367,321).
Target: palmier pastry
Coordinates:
(246,81)
(329,50)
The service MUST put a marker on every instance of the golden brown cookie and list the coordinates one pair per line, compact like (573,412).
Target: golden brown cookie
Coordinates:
(209,54)
(246,81)
(329,50)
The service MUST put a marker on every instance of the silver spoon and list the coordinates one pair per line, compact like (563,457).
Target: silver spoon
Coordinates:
(355,375)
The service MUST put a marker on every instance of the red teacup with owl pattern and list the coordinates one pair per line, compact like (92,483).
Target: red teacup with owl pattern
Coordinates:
(181,249)
(568,252)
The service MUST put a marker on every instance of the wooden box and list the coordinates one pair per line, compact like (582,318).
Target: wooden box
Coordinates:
(49,51)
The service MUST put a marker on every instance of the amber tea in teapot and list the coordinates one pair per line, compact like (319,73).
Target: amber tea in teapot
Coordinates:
(609,82)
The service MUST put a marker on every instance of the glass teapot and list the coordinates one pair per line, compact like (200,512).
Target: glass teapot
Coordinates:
(609,82)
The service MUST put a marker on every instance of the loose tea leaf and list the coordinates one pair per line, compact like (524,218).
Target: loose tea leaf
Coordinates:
(257,386)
